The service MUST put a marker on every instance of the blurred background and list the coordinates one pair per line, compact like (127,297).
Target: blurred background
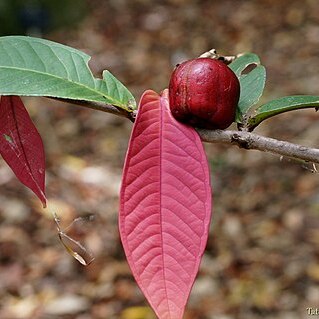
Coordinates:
(262,257)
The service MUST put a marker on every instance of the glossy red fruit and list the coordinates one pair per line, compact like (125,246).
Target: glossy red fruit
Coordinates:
(204,93)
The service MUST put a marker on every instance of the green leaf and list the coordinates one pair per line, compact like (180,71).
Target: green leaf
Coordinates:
(251,84)
(37,67)
(281,105)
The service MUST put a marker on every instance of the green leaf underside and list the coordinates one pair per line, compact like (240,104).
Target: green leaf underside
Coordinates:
(251,84)
(281,105)
(37,67)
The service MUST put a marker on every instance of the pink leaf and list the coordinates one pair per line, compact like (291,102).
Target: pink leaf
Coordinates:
(165,206)
(21,145)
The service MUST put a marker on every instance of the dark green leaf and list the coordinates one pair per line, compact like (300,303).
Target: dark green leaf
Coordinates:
(252,82)
(281,105)
(37,67)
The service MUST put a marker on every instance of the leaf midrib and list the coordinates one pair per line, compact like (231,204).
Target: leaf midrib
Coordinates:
(113,101)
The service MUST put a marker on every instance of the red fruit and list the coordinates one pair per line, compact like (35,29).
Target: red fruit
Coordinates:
(204,93)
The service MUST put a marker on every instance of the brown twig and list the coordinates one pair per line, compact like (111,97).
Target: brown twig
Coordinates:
(243,139)
(252,141)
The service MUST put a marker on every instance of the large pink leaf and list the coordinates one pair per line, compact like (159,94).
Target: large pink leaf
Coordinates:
(21,145)
(165,206)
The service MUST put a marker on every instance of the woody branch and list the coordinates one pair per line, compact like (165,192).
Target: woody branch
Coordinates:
(243,139)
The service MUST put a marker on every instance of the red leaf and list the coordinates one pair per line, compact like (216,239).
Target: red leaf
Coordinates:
(21,145)
(165,206)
